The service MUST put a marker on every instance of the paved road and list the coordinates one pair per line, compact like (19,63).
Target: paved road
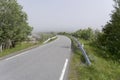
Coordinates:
(47,62)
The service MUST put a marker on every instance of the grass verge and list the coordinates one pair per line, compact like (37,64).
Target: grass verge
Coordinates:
(21,47)
(101,68)
(18,47)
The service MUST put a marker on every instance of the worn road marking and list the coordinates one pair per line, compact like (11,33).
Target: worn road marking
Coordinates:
(17,55)
(63,71)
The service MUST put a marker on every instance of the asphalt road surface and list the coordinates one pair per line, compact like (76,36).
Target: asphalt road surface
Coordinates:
(47,62)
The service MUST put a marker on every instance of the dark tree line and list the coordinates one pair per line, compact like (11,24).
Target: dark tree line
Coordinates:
(110,37)
(14,27)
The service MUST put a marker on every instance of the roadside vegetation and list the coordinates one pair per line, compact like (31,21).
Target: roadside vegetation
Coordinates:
(15,32)
(14,27)
(103,49)
(44,36)
(101,69)
(18,47)
(32,42)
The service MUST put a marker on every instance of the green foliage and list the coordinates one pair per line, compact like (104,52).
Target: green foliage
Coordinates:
(45,36)
(86,34)
(63,33)
(13,23)
(101,68)
(110,38)
(18,47)
(23,46)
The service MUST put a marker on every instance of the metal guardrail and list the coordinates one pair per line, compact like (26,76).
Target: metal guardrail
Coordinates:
(83,51)
(49,39)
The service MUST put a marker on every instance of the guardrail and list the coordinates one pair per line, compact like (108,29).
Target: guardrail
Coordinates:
(83,51)
(49,39)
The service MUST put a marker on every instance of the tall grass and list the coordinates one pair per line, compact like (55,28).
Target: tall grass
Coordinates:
(101,68)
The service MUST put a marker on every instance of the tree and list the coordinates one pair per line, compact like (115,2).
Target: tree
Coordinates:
(110,38)
(13,23)
(86,34)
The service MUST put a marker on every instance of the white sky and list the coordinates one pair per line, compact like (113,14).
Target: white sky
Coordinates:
(67,15)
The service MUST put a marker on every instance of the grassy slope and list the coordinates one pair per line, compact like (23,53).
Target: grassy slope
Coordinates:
(21,46)
(101,68)
(17,48)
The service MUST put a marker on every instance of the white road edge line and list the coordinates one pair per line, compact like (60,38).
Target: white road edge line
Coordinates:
(16,55)
(63,71)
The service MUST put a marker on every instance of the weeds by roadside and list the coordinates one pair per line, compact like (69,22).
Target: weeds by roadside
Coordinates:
(101,68)
(21,46)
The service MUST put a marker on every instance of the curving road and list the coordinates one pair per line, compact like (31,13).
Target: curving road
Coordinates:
(47,62)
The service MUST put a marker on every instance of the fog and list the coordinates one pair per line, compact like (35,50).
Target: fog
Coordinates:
(67,15)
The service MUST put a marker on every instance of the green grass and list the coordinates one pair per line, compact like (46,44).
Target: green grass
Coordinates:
(17,48)
(101,68)
(20,47)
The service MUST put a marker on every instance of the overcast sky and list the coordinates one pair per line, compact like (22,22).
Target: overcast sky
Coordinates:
(67,15)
